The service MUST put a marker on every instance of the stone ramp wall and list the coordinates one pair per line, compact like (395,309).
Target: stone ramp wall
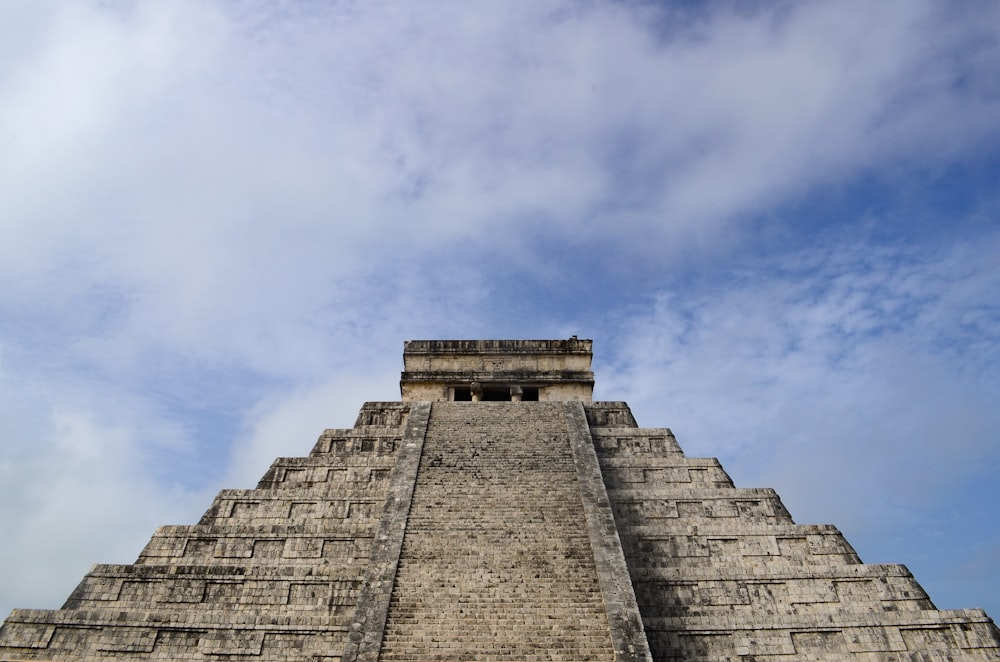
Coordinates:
(496,562)
(722,573)
(271,573)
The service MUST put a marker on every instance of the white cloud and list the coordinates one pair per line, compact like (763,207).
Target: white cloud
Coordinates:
(244,207)
(860,381)
(81,481)
(290,426)
(218,149)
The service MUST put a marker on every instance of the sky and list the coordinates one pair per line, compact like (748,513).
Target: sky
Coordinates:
(778,221)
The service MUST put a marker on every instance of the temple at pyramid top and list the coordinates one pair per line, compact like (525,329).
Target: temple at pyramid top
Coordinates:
(497,370)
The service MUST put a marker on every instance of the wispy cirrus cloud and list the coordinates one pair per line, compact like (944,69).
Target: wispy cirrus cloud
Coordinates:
(215,216)
(858,379)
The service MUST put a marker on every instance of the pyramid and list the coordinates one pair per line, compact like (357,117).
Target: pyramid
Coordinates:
(497,513)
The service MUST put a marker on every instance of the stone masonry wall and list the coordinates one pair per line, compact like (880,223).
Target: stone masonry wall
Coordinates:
(723,573)
(271,573)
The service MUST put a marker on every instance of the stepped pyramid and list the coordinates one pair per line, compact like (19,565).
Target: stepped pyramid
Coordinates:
(497,513)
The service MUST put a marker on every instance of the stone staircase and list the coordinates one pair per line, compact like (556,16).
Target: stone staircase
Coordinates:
(496,561)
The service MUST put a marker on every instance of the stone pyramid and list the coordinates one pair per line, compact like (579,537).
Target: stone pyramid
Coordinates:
(497,513)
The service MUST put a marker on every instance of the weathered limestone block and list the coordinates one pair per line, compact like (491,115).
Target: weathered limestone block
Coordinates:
(724,573)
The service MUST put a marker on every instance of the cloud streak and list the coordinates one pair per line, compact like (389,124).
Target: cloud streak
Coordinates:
(216,217)
(859,380)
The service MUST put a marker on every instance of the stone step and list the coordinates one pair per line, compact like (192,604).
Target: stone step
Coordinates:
(327,471)
(67,636)
(119,592)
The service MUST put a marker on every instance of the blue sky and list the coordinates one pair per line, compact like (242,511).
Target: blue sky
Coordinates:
(779,222)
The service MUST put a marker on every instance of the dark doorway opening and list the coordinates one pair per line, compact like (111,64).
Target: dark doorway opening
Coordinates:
(495,394)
